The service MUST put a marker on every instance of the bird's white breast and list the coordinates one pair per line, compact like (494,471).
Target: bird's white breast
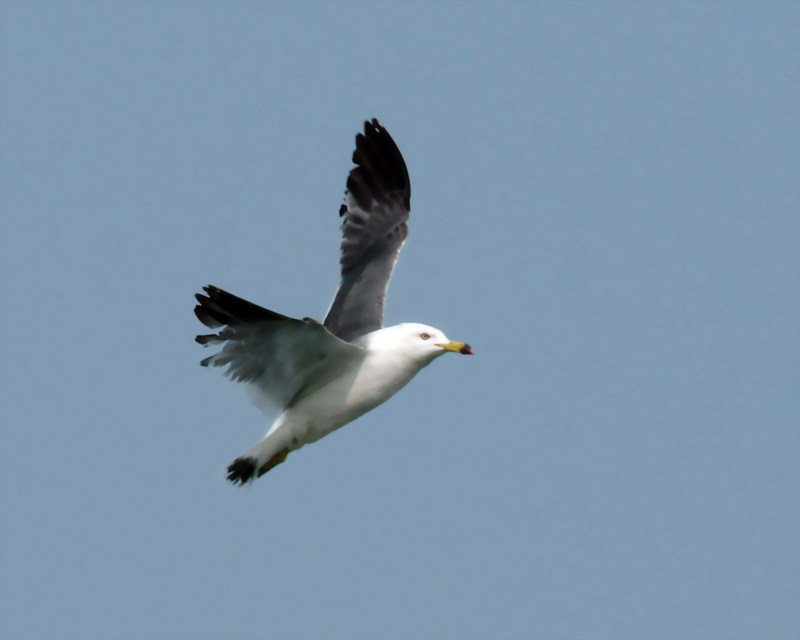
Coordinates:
(380,375)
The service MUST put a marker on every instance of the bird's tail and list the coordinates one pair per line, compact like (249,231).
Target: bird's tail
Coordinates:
(246,468)
(268,453)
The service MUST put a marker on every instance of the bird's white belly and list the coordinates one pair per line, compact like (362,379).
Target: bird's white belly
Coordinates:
(346,398)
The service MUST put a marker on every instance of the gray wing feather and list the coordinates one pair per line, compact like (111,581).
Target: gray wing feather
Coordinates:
(278,355)
(375,212)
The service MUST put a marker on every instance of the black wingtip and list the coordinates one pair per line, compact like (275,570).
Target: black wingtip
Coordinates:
(380,169)
(373,124)
(242,470)
(219,308)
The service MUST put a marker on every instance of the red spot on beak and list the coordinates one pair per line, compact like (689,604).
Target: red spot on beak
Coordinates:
(467,350)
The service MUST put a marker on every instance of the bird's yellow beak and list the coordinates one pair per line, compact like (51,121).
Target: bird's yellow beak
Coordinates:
(456,347)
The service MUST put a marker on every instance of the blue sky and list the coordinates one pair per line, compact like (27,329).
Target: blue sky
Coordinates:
(604,204)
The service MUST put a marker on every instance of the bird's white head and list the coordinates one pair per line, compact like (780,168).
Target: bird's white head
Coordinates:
(418,341)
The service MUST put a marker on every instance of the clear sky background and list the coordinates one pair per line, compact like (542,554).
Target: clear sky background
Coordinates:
(605,203)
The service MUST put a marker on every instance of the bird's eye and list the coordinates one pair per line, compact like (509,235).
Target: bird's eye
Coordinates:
(425,336)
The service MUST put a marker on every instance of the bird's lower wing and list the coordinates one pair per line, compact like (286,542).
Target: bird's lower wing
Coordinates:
(279,357)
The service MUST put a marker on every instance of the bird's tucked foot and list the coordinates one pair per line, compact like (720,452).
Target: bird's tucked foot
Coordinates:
(274,461)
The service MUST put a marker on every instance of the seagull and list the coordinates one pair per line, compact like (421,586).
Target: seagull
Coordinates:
(317,377)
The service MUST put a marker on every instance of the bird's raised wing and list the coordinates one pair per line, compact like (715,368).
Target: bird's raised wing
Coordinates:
(375,211)
(282,358)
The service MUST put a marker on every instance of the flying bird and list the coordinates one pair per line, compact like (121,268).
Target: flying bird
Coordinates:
(318,377)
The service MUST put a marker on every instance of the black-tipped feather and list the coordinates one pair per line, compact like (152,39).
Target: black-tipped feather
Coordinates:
(220,308)
(279,353)
(375,212)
